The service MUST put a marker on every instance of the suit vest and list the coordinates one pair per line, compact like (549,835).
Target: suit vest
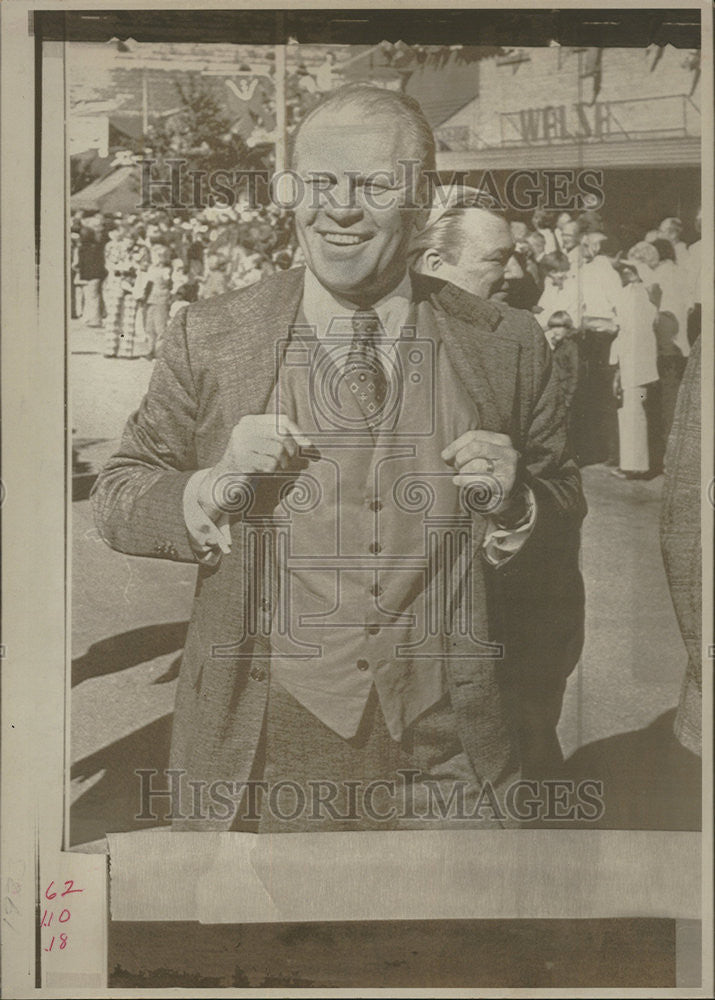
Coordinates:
(375,526)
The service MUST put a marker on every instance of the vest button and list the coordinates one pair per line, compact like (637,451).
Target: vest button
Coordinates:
(376,505)
(375,547)
(372,629)
(362,665)
(376,590)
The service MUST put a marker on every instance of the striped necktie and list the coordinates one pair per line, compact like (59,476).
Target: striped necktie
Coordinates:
(365,372)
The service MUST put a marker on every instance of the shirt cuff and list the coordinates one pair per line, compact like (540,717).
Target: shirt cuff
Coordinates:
(501,544)
(209,539)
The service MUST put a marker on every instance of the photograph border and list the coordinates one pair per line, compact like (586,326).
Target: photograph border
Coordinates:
(36,518)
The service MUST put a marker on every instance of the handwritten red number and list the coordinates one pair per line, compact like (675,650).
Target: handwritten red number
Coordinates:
(48,894)
(63,942)
(62,918)
(67,891)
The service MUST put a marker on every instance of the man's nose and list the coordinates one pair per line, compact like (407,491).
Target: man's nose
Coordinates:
(513,270)
(341,203)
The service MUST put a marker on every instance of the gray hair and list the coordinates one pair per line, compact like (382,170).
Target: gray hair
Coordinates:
(372,102)
(446,233)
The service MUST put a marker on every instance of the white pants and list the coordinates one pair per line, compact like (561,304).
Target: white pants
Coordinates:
(633,430)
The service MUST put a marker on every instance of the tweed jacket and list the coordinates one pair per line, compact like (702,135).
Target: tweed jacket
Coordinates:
(218,365)
(681,544)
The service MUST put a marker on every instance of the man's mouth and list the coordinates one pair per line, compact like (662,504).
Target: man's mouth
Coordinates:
(344,239)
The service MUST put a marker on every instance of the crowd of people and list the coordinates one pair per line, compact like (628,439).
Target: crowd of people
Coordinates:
(619,319)
(131,274)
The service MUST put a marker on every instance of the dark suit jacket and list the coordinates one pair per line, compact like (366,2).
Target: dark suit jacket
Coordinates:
(218,365)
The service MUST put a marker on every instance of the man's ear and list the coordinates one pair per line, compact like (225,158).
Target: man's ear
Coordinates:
(431,261)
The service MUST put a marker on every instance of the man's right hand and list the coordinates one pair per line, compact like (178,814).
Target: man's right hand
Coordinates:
(259,445)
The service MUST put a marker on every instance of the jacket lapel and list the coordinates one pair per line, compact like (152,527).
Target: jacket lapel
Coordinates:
(485,357)
(258,328)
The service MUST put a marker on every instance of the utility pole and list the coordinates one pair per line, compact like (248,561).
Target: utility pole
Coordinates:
(145,103)
(280,92)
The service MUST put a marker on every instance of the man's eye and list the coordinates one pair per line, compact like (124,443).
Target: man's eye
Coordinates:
(320,182)
(377,187)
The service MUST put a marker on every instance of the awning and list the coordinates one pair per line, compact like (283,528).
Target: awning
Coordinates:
(671,152)
(117,191)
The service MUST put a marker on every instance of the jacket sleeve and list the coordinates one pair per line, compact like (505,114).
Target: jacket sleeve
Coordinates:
(138,496)
(546,464)
(540,590)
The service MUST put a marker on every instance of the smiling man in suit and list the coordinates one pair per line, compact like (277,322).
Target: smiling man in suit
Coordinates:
(370,473)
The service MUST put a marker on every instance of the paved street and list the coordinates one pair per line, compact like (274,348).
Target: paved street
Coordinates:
(129,618)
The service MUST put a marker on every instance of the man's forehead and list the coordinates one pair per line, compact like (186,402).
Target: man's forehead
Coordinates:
(355,135)
(488,227)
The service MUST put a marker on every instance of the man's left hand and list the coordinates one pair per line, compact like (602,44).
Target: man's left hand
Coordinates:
(479,454)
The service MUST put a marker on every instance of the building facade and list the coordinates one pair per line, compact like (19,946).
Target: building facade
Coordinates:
(631,115)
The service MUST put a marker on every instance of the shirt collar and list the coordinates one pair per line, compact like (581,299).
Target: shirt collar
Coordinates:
(326,314)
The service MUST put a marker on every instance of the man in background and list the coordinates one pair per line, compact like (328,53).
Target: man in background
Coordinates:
(469,245)
(693,267)
(671,229)
(91,269)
